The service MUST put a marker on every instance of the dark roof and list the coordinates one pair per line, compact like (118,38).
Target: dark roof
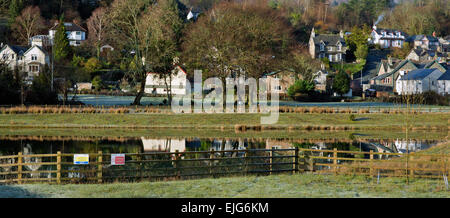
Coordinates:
(418,74)
(422,52)
(329,39)
(420,37)
(397,67)
(388,31)
(445,76)
(70,27)
(18,49)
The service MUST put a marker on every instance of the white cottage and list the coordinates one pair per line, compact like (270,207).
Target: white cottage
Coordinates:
(387,38)
(75,33)
(444,83)
(418,81)
(156,85)
(29,59)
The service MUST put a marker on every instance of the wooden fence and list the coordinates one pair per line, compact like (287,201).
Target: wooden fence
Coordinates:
(60,168)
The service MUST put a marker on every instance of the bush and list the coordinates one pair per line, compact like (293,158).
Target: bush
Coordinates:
(300,87)
(352,117)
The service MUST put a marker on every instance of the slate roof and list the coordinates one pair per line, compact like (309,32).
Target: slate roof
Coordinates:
(418,74)
(328,39)
(397,67)
(18,49)
(70,27)
(389,31)
(420,37)
(445,76)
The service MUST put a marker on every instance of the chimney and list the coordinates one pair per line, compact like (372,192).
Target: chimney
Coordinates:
(37,42)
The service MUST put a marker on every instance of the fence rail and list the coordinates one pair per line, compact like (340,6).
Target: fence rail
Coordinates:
(60,168)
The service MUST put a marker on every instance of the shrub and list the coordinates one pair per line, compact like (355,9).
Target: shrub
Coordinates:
(352,117)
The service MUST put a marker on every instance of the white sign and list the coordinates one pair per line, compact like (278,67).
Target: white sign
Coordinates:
(117,159)
(81,159)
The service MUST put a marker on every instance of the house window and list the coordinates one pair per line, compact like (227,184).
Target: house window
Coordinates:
(78,33)
(339,47)
(5,56)
(278,88)
(330,48)
(322,48)
(33,57)
(20,58)
(33,68)
(12,56)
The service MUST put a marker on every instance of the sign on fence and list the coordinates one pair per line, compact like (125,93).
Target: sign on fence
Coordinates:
(117,159)
(81,159)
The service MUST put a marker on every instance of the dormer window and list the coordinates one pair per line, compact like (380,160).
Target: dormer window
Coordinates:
(322,47)
(339,47)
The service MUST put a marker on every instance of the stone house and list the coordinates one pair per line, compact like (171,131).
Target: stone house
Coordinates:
(331,46)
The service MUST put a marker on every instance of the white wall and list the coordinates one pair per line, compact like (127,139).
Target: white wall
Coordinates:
(178,82)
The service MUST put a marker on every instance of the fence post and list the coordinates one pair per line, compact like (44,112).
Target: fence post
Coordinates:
(271,160)
(19,168)
(58,167)
(211,157)
(295,160)
(411,171)
(335,160)
(100,167)
(175,165)
(246,160)
(370,163)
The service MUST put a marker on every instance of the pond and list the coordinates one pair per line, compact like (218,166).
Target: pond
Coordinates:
(105,100)
(157,158)
(50,145)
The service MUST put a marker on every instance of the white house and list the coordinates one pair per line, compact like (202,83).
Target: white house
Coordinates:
(29,59)
(418,81)
(75,33)
(156,85)
(387,38)
(444,83)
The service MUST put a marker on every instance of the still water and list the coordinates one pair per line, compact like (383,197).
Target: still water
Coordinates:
(50,145)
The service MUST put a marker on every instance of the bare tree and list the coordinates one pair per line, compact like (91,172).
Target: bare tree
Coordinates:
(97,25)
(29,23)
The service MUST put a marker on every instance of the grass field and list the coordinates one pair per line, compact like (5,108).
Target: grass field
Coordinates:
(276,186)
(208,121)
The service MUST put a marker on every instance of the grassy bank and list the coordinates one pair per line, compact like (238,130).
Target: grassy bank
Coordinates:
(226,121)
(295,186)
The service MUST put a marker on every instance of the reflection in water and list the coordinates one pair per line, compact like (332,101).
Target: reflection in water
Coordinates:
(146,145)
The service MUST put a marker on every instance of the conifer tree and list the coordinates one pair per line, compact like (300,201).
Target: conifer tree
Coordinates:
(61,42)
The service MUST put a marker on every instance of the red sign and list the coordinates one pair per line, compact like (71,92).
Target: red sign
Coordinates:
(117,159)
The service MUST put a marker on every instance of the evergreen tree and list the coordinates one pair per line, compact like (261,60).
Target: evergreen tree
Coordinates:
(15,7)
(341,83)
(61,42)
